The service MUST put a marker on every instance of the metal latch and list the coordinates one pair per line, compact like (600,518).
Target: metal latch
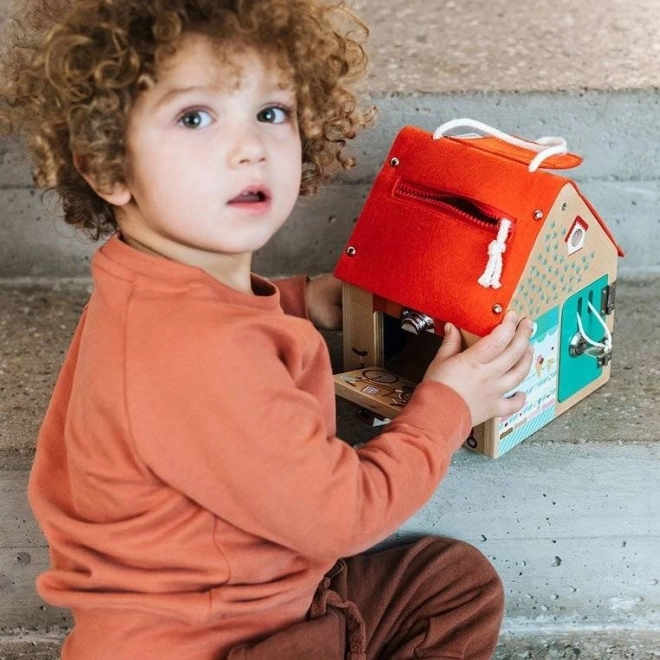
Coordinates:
(582,344)
(416,322)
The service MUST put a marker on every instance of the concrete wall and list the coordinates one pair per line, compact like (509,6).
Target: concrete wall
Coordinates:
(616,133)
(588,71)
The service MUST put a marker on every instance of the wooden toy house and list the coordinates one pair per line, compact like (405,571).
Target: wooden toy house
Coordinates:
(461,229)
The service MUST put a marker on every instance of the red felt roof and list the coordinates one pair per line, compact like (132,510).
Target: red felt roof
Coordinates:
(423,235)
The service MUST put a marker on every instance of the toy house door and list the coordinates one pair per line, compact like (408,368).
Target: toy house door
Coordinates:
(585,348)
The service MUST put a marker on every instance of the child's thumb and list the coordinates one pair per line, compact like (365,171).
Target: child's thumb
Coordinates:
(451,344)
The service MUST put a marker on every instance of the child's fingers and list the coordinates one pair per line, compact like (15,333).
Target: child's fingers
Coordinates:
(510,405)
(516,349)
(492,345)
(451,344)
(518,372)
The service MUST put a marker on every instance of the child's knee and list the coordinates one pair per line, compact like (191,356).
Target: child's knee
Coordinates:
(480,574)
(466,564)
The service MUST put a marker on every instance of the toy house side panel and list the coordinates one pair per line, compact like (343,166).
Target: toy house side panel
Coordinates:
(555,270)
(601,274)
(362,329)
(573,259)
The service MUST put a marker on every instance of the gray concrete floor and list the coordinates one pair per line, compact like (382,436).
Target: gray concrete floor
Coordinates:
(36,323)
(595,647)
(512,45)
(429,46)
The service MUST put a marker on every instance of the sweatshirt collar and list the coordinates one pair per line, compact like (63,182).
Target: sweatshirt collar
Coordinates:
(156,272)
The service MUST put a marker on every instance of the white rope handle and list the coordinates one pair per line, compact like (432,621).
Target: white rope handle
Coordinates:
(606,344)
(493,273)
(545,146)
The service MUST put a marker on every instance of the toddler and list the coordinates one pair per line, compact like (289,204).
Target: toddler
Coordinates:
(196,500)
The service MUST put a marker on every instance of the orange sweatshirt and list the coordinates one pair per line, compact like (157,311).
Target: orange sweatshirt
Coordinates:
(187,474)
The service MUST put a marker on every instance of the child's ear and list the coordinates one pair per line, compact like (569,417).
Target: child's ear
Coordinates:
(118,195)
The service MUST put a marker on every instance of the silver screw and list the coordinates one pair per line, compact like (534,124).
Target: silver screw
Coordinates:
(497,309)
(394,162)
(538,214)
(351,251)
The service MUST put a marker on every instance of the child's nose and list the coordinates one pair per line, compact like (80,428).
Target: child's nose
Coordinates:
(247,146)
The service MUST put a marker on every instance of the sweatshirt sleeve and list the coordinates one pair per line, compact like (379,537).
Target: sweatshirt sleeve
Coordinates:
(231,428)
(293,295)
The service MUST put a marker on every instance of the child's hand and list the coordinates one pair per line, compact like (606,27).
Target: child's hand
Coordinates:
(324,302)
(485,372)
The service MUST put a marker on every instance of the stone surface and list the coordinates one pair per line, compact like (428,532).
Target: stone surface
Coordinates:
(594,646)
(554,45)
(575,501)
(567,517)
(36,323)
(35,329)
(587,71)
(504,45)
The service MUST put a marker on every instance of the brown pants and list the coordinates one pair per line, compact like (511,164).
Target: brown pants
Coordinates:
(435,598)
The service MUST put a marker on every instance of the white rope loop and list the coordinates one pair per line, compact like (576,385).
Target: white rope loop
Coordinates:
(544,146)
(606,344)
(491,276)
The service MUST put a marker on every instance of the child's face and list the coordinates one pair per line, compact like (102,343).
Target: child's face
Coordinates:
(214,161)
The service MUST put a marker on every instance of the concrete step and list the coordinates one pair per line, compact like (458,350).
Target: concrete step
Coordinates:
(569,517)
(617,134)
(588,71)
(40,646)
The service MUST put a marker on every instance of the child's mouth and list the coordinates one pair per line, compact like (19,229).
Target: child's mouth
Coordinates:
(251,196)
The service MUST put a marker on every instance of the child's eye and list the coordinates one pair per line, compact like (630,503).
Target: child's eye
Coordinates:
(195,119)
(274,114)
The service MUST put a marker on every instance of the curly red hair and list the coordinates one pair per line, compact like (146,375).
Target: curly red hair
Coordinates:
(75,69)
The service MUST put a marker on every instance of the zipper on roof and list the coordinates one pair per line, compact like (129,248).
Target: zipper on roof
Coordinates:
(458,206)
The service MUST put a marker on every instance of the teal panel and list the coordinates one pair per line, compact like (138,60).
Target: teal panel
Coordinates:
(576,372)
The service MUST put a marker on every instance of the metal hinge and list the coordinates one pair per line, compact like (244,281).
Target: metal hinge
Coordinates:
(607,299)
